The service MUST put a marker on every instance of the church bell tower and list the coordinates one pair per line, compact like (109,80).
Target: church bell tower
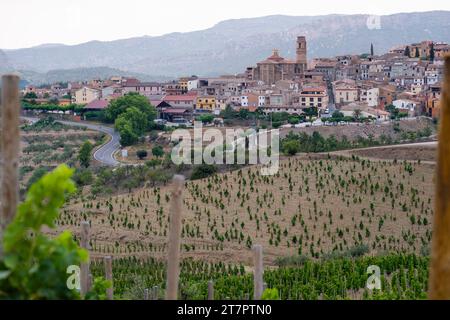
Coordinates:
(301,50)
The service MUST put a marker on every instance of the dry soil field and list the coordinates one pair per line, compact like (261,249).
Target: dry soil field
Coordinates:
(311,207)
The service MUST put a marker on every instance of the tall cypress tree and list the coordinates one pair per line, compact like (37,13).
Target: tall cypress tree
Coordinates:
(407,51)
(432,52)
(371,49)
(417,53)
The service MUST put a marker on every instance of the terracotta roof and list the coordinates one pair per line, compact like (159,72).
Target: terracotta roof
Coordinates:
(97,104)
(180,98)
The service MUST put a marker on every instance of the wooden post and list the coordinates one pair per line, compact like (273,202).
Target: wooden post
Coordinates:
(84,269)
(173,261)
(145,294)
(210,290)
(10,147)
(258,273)
(109,277)
(439,282)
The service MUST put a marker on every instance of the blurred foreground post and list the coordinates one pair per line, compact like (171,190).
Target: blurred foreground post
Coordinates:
(173,261)
(439,282)
(84,269)
(210,290)
(109,277)
(10,139)
(258,272)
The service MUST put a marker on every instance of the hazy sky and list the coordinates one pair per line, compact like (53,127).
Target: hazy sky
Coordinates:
(33,22)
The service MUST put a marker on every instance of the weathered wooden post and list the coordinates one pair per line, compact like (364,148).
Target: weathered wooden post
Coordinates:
(10,147)
(84,269)
(173,261)
(210,290)
(108,276)
(259,271)
(145,294)
(439,283)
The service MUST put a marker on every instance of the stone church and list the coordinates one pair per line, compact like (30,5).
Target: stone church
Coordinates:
(276,68)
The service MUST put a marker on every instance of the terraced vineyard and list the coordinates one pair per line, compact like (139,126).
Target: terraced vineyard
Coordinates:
(311,208)
(46,143)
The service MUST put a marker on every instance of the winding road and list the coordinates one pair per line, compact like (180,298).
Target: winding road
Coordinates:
(105,153)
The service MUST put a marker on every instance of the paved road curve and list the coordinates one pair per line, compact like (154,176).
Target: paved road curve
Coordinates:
(105,153)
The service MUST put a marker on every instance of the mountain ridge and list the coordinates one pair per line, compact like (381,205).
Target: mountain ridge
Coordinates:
(231,45)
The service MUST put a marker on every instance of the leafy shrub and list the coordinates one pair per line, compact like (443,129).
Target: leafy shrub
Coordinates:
(206,118)
(34,265)
(153,163)
(270,294)
(83,177)
(359,250)
(158,151)
(203,171)
(84,155)
(291,147)
(141,154)
(276,124)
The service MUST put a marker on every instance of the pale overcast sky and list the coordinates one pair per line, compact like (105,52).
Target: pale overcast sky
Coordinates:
(33,22)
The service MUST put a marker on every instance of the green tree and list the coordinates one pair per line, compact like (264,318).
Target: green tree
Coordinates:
(127,135)
(417,54)
(228,113)
(371,49)
(84,155)
(244,114)
(407,51)
(131,125)
(206,118)
(291,147)
(120,105)
(310,112)
(203,171)
(293,119)
(158,151)
(30,95)
(83,177)
(133,117)
(337,115)
(141,154)
(432,53)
